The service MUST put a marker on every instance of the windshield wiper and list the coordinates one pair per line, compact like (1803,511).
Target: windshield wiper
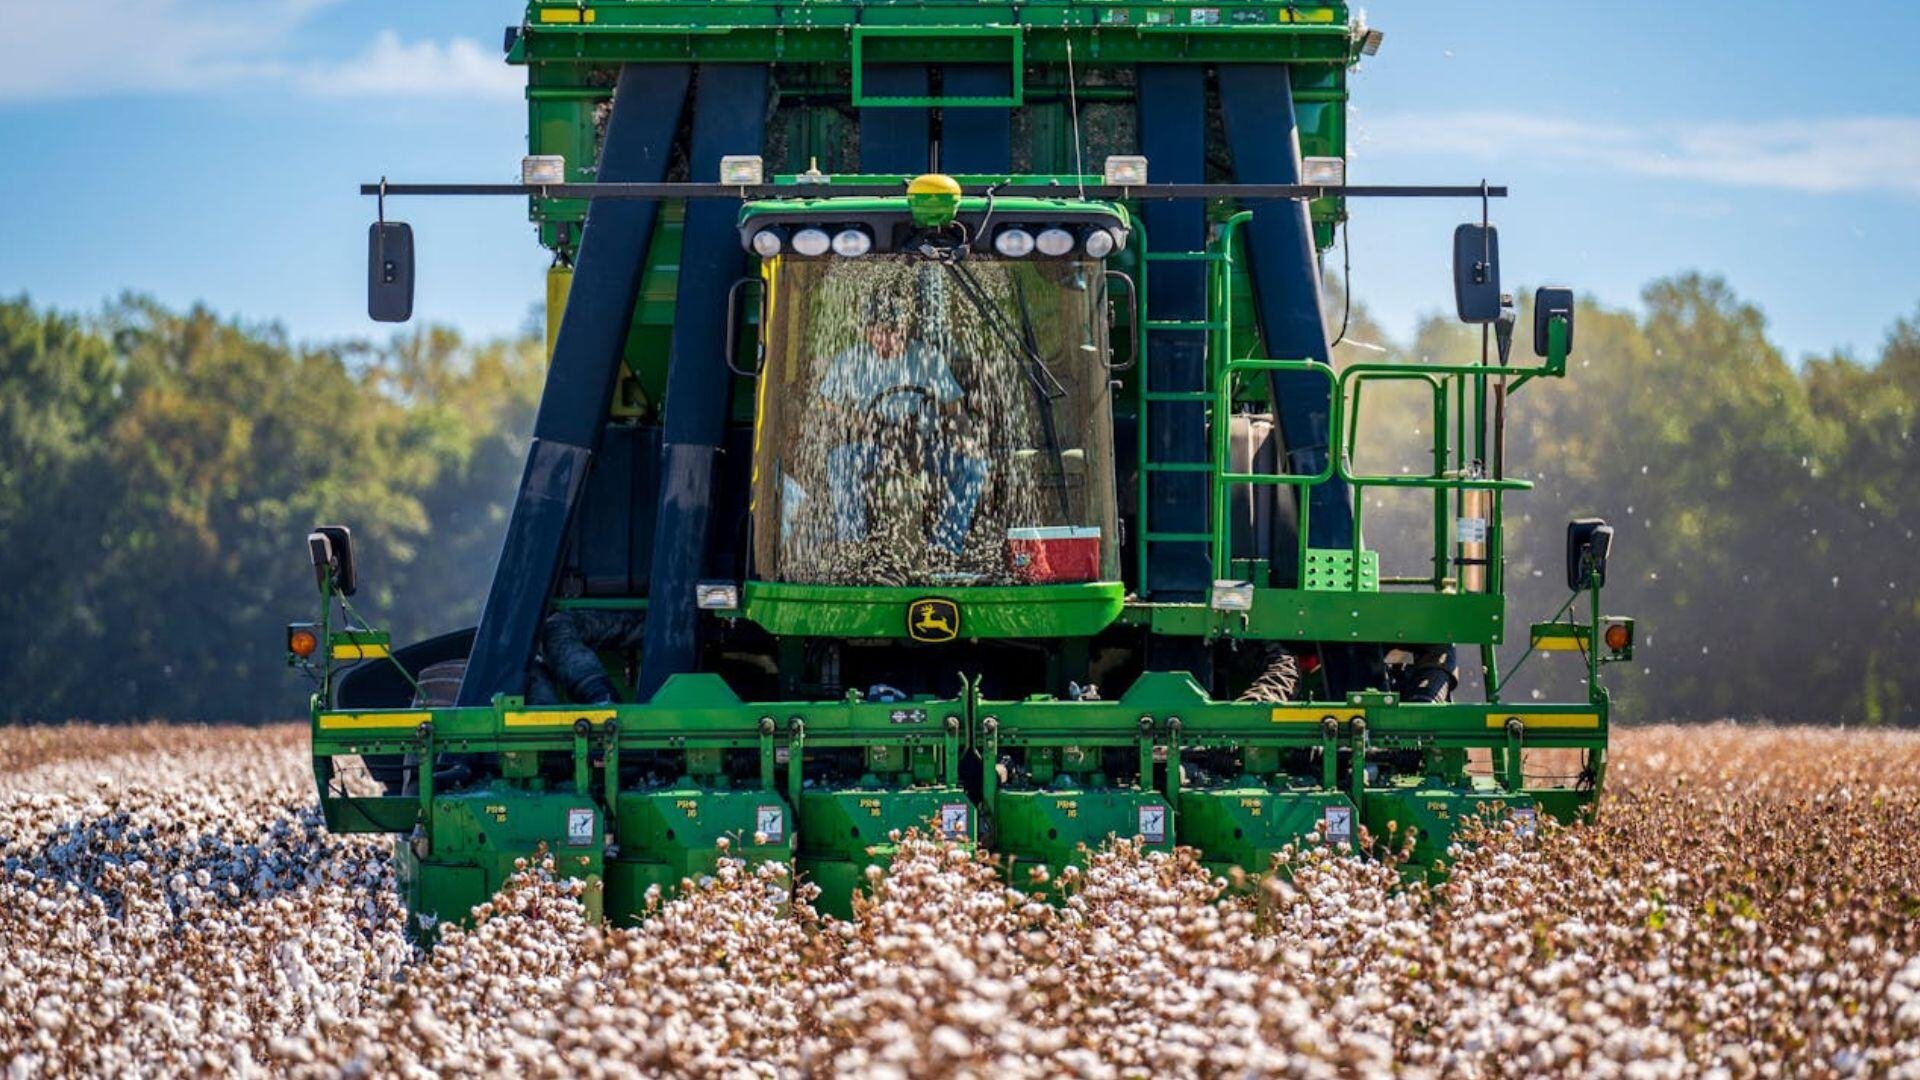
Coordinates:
(1047,387)
(1023,342)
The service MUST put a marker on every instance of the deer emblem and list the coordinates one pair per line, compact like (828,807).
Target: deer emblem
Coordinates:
(933,620)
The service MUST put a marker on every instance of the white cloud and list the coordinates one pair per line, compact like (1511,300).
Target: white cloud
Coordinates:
(1846,154)
(103,48)
(393,68)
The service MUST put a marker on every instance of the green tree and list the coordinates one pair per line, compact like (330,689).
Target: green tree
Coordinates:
(158,472)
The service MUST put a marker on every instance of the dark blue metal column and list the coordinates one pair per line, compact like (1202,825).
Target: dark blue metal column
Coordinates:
(1256,102)
(975,138)
(730,118)
(647,104)
(894,139)
(1173,129)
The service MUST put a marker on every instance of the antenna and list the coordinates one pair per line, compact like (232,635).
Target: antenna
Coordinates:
(1073,108)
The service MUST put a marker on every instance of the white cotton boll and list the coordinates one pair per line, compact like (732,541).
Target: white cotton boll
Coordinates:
(1543,958)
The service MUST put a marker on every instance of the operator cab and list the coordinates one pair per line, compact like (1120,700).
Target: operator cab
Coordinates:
(934,396)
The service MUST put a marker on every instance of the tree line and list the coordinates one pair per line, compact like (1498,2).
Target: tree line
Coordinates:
(159,470)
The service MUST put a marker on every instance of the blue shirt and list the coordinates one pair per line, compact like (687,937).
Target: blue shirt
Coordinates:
(856,374)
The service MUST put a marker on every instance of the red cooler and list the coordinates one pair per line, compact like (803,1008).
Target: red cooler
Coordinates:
(1055,554)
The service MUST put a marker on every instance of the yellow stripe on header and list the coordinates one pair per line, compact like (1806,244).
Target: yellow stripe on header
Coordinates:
(566,15)
(1563,637)
(360,652)
(366,720)
(1558,644)
(1546,720)
(558,717)
(1298,715)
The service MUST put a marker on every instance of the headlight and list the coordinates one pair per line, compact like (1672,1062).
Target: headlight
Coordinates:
(1014,243)
(1232,596)
(766,243)
(852,243)
(811,242)
(744,169)
(1100,243)
(716,596)
(1125,171)
(537,169)
(1323,171)
(1055,242)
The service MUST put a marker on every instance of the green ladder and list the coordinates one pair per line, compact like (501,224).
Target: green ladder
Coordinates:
(1216,330)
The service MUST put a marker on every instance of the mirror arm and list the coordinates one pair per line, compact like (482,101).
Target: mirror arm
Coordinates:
(1557,334)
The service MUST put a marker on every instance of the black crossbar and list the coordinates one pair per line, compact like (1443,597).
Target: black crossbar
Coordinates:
(827,191)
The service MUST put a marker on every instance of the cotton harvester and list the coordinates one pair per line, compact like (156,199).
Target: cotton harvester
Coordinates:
(894,470)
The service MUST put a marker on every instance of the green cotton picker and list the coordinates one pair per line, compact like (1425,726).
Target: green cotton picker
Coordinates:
(941,434)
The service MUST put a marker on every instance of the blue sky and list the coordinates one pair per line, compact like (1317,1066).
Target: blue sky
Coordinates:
(208,150)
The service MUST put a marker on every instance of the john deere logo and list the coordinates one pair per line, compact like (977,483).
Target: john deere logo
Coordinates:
(933,619)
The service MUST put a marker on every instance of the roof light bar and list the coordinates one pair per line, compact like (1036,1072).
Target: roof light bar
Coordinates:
(812,242)
(1054,241)
(1014,243)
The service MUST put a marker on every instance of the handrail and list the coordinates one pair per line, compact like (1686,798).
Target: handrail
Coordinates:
(1223,476)
(1344,391)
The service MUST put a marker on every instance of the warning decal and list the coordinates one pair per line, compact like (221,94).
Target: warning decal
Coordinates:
(770,822)
(953,820)
(1153,824)
(1339,825)
(580,827)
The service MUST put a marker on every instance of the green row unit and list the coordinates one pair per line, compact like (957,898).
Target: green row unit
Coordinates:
(635,799)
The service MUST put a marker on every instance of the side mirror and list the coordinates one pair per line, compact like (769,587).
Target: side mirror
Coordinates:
(390,271)
(1589,540)
(1550,302)
(1476,273)
(331,548)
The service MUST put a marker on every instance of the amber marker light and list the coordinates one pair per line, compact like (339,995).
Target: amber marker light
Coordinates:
(1618,637)
(302,641)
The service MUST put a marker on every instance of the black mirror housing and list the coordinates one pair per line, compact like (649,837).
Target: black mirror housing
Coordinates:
(331,547)
(1589,542)
(1550,301)
(390,271)
(1476,273)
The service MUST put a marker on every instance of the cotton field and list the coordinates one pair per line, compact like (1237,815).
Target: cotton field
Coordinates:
(1749,905)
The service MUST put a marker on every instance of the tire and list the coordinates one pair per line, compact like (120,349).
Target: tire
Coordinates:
(439,684)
